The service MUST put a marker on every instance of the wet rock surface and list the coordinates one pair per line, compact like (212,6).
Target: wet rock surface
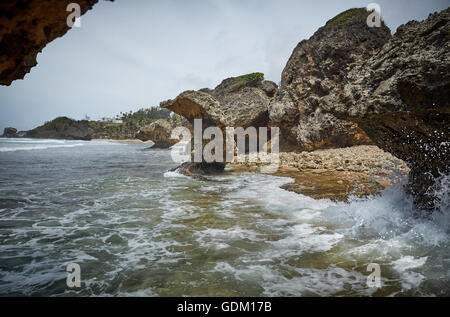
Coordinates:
(401,98)
(199,170)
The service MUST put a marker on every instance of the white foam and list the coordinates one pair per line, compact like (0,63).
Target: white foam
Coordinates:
(316,282)
(38,147)
(410,279)
(32,141)
(302,238)
(220,238)
(174,174)
(409,262)
(242,228)
(139,293)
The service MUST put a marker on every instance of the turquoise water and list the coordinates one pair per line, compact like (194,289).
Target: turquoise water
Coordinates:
(137,230)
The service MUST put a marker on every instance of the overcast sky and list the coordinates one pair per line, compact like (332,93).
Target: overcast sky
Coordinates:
(130,54)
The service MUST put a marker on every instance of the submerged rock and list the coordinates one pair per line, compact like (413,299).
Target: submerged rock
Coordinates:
(159,132)
(316,67)
(401,98)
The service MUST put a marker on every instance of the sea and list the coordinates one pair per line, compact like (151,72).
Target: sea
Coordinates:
(133,228)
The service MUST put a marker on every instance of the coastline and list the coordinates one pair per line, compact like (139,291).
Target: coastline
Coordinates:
(92,140)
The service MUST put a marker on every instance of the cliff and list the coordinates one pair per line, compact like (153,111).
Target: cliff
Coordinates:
(315,68)
(401,98)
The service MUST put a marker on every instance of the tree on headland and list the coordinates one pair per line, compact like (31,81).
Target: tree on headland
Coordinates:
(145,116)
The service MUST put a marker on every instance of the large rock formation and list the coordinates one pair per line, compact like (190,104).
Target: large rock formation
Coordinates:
(237,102)
(26,26)
(401,98)
(315,68)
(9,133)
(159,132)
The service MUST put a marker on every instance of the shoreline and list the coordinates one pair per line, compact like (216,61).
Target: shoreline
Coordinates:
(92,140)
(336,174)
(122,141)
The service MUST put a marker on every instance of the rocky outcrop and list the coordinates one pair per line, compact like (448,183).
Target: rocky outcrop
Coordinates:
(317,66)
(9,133)
(199,170)
(336,174)
(159,132)
(401,98)
(237,102)
(26,26)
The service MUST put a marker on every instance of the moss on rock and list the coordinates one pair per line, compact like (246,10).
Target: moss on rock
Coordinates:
(350,15)
(245,79)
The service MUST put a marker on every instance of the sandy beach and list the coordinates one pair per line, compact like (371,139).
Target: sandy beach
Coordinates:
(121,141)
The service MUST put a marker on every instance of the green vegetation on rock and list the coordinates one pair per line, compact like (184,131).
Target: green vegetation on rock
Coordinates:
(245,79)
(60,128)
(125,126)
(350,15)
(144,116)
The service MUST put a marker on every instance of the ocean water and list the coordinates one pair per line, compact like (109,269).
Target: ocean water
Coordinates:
(137,230)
